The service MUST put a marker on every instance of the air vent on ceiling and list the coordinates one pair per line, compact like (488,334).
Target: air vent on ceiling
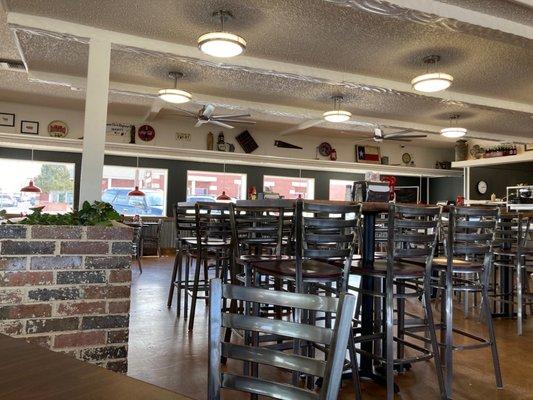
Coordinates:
(12,65)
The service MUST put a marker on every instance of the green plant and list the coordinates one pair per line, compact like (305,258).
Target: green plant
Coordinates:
(98,213)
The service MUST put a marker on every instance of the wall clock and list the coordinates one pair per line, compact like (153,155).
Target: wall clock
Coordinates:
(482,187)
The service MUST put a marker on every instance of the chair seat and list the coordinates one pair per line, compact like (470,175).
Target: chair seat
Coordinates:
(311,269)
(458,266)
(401,270)
(512,252)
(247,258)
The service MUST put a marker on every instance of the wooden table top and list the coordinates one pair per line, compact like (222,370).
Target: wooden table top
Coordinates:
(30,372)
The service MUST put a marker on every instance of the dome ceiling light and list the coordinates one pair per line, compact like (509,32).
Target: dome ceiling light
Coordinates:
(432,81)
(175,96)
(453,131)
(221,44)
(337,115)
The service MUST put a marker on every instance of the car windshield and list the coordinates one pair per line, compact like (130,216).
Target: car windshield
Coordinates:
(154,199)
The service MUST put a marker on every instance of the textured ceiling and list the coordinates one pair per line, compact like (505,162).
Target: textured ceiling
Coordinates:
(319,33)
(507,9)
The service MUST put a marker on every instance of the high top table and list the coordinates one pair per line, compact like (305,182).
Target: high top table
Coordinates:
(30,372)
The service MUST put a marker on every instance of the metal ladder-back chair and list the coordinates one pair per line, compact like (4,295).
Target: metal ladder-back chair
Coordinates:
(185,223)
(524,296)
(336,339)
(411,241)
(213,241)
(152,236)
(137,245)
(467,267)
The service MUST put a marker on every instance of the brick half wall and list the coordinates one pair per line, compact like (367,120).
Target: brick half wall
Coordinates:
(67,288)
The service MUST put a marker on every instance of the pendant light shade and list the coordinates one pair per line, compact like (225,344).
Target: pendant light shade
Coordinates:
(453,131)
(221,44)
(432,81)
(337,115)
(31,188)
(175,95)
(223,196)
(136,192)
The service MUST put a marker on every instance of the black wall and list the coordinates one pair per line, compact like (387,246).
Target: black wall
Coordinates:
(498,177)
(177,173)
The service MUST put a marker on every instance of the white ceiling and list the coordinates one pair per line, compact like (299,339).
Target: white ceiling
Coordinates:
(492,70)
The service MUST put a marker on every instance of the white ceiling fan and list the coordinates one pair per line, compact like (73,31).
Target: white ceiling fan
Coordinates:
(205,116)
(401,136)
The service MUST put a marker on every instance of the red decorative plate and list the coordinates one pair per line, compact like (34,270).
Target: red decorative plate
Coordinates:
(146,133)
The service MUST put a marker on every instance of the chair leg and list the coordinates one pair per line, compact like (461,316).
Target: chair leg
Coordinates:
(448,329)
(196,283)
(433,337)
(139,261)
(389,335)
(492,338)
(186,286)
(354,366)
(179,284)
(173,280)
(519,296)
(400,348)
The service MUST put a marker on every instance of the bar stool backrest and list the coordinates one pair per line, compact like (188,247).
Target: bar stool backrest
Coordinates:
(326,231)
(335,339)
(471,233)
(412,233)
(256,229)
(185,219)
(508,230)
(212,223)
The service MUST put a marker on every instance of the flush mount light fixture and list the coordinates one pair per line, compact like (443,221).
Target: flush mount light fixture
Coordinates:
(222,44)
(432,81)
(453,131)
(337,115)
(175,96)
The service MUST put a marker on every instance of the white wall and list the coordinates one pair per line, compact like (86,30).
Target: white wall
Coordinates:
(424,157)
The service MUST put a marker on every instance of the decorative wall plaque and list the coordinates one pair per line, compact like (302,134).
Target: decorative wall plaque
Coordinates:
(146,133)
(58,129)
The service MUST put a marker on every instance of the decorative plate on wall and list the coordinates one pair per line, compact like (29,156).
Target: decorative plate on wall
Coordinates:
(146,133)
(324,149)
(406,158)
(58,129)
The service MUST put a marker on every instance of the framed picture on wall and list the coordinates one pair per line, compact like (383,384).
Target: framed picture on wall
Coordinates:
(367,154)
(29,127)
(7,119)
(528,147)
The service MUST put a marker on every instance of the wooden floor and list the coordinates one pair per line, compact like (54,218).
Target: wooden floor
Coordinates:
(163,353)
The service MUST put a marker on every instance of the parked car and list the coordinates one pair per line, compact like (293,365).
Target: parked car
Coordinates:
(151,203)
(199,198)
(7,200)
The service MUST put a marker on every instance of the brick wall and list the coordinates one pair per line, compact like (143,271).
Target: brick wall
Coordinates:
(68,288)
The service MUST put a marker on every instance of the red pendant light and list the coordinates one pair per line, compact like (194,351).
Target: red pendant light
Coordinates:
(136,192)
(223,196)
(31,188)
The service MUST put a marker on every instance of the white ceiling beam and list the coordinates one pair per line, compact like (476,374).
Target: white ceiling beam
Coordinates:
(445,10)
(268,112)
(126,40)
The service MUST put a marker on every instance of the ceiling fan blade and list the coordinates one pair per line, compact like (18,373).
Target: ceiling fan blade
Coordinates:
(398,133)
(208,110)
(304,125)
(231,116)
(190,114)
(199,123)
(237,121)
(405,136)
(398,139)
(222,124)
(482,138)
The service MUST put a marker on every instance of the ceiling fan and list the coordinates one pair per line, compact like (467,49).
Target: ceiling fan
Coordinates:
(400,136)
(205,116)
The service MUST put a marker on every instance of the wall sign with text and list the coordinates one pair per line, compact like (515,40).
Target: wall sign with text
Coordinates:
(58,129)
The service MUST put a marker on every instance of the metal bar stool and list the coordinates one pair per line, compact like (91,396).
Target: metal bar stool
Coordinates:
(336,339)
(213,241)
(469,252)
(185,223)
(412,238)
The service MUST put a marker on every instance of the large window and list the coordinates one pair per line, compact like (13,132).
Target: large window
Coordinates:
(289,188)
(340,189)
(119,181)
(56,181)
(207,186)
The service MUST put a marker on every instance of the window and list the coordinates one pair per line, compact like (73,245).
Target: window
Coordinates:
(119,181)
(207,186)
(340,189)
(56,181)
(290,188)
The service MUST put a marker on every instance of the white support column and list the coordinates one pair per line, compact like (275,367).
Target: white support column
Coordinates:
(94,127)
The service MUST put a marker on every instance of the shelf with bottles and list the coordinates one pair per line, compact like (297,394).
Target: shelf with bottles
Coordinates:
(501,150)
